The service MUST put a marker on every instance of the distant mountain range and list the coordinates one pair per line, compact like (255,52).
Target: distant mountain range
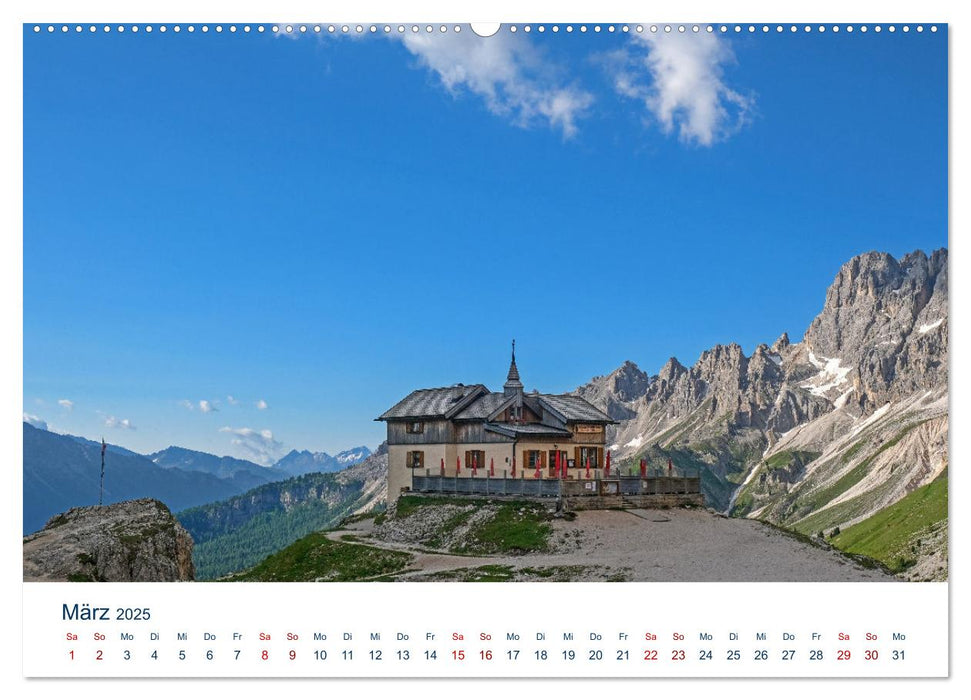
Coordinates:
(222,467)
(296,462)
(63,471)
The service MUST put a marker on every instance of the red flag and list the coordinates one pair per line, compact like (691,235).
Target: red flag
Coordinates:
(458,465)
(556,461)
(643,468)
(492,467)
(475,463)
(443,466)
(588,467)
(539,464)
(608,462)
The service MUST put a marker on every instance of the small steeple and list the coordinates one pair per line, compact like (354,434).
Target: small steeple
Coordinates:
(513,387)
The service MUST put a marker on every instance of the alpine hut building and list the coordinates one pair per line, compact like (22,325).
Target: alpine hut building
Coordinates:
(471,432)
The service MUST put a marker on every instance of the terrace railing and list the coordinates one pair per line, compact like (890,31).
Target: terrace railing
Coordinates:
(555,488)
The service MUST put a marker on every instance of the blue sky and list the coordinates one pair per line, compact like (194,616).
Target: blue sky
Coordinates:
(316,226)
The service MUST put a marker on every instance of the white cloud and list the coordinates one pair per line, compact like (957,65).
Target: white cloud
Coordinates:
(507,72)
(66,404)
(35,421)
(680,80)
(203,405)
(262,405)
(122,423)
(232,401)
(258,445)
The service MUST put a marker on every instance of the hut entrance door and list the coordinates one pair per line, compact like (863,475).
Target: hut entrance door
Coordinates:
(552,463)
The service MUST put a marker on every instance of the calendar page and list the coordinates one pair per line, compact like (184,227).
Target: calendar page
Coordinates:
(576,345)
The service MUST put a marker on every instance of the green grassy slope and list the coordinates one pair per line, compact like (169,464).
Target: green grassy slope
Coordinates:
(513,527)
(316,558)
(891,535)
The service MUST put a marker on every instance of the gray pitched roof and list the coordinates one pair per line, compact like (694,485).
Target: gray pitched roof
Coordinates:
(432,403)
(574,408)
(475,402)
(483,407)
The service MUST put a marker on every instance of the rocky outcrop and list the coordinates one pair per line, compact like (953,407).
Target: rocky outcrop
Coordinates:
(129,541)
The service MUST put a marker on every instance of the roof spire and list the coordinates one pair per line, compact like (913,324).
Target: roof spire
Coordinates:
(513,386)
(513,370)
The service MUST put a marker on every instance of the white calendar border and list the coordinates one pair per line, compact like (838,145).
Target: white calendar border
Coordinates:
(440,10)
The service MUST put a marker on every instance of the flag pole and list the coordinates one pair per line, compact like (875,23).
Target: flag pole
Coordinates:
(101,492)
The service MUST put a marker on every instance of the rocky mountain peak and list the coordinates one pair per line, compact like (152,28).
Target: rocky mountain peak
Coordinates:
(612,392)
(886,320)
(765,364)
(721,365)
(628,382)
(781,344)
(671,370)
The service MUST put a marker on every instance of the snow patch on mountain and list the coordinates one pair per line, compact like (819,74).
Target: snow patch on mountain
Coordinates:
(636,442)
(831,375)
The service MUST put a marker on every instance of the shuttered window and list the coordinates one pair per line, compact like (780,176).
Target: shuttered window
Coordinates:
(416,459)
(474,456)
(534,458)
(591,453)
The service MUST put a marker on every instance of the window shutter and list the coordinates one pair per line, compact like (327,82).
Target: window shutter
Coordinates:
(421,460)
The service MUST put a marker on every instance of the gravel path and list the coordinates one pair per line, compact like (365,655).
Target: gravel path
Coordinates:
(660,545)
